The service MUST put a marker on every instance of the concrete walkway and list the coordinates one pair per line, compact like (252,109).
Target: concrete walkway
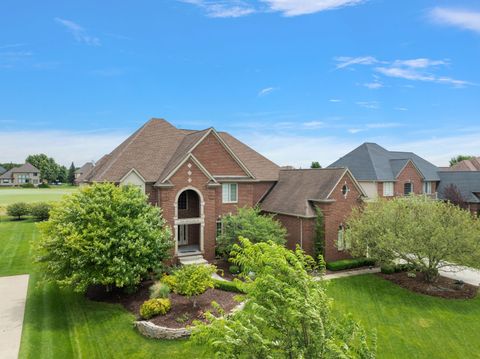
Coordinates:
(468,275)
(351,273)
(13,294)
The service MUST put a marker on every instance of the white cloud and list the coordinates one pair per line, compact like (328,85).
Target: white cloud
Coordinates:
(383,125)
(335,100)
(373,85)
(314,124)
(401,109)
(462,18)
(78,32)
(374,105)
(346,61)
(303,7)
(420,63)
(355,130)
(63,146)
(223,9)
(266,91)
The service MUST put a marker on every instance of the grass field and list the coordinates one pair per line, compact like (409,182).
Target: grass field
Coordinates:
(28,195)
(410,325)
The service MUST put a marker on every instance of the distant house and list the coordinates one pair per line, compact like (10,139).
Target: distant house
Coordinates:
(2,170)
(17,176)
(467,183)
(83,171)
(467,165)
(384,173)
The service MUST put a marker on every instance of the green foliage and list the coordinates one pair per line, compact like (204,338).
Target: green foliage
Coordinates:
(27,185)
(287,313)
(460,158)
(71,174)
(234,269)
(234,286)
(62,174)
(249,223)
(315,164)
(192,280)
(49,169)
(387,269)
(102,235)
(18,210)
(40,210)
(159,290)
(350,263)
(171,281)
(43,185)
(319,240)
(153,307)
(9,166)
(424,233)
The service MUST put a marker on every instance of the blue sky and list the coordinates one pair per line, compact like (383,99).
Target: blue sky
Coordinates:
(299,80)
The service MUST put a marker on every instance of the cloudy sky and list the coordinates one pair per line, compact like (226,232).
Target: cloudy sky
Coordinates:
(299,80)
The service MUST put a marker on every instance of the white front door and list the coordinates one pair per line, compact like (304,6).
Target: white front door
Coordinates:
(183,234)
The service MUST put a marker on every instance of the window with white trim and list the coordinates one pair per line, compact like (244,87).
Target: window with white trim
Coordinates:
(229,193)
(407,188)
(427,187)
(219,228)
(387,189)
(340,238)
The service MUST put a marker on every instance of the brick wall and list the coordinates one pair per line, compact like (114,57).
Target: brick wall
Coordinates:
(409,175)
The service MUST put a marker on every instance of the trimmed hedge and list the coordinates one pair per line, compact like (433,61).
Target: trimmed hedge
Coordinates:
(350,263)
(227,286)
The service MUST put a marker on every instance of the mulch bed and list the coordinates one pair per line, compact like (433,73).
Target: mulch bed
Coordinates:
(182,312)
(443,287)
(222,266)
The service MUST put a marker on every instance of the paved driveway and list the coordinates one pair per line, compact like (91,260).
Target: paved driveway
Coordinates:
(13,294)
(468,275)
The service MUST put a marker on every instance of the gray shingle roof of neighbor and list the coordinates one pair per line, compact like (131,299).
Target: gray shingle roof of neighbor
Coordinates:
(467,182)
(158,147)
(296,188)
(25,168)
(371,162)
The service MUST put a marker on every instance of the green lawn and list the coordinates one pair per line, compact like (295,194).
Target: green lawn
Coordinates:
(62,324)
(11,195)
(410,325)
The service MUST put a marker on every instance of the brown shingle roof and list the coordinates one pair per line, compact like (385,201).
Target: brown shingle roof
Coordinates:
(158,147)
(467,165)
(25,168)
(296,188)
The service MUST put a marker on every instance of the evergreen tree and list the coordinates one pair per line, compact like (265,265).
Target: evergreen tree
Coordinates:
(71,174)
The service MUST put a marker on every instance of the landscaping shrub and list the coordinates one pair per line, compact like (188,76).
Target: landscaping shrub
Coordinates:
(159,290)
(27,185)
(234,269)
(227,286)
(153,307)
(40,210)
(43,185)
(102,235)
(404,267)
(192,280)
(18,210)
(170,280)
(387,269)
(350,263)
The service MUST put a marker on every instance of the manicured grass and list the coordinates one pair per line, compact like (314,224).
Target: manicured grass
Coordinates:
(11,195)
(61,324)
(410,325)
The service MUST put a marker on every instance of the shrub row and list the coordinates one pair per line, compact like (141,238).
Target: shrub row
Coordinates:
(39,210)
(227,286)
(392,268)
(350,263)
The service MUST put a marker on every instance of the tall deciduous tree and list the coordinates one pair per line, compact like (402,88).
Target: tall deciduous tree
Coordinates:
(315,164)
(251,224)
(287,313)
(103,235)
(49,169)
(71,174)
(425,233)
(452,194)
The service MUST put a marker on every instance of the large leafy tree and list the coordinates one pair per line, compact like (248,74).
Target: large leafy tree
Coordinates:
(49,169)
(459,158)
(425,233)
(315,164)
(103,235)
(287,313)
(251,224)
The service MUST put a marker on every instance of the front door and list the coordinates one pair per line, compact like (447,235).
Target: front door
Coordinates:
(182,234)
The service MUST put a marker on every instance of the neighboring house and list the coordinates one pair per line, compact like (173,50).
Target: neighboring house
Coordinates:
(83,172)
(466,165)
(194,176)
(2,170)
(383,173)
(17,176)
(467,183)
(298,194)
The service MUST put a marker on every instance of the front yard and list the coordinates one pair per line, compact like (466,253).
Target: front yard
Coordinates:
(59,323)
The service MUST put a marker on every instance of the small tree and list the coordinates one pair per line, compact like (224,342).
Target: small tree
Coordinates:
(71,174)
(424,233)
(40,210)
(315,164)
(193,280)
(452,194)
(319,241)
(459,158)
(103,235)
(18,210)
(287,313)
(249,223)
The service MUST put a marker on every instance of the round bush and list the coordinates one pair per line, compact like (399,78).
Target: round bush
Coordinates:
(169,280)
(27,185)
(43,185)
(153,307)
(234,269)
(18,210)
(388,269)
(159,290)
(40,210)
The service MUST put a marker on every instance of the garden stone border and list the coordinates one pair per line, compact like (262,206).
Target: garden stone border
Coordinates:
(151,330)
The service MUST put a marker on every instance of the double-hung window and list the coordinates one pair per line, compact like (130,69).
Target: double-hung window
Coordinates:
(229,193)
(407,188)
(427,187)
(387,189)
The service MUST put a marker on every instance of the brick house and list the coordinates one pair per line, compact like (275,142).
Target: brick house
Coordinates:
(383,173)
(194,176)
(18,176)
(295,199)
